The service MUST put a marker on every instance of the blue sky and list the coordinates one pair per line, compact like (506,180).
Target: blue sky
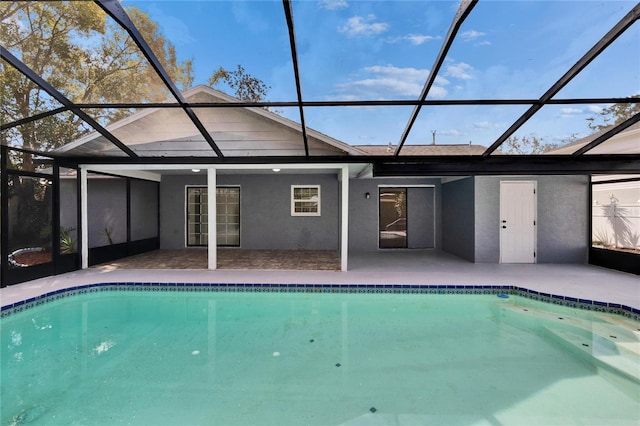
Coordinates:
(384,50)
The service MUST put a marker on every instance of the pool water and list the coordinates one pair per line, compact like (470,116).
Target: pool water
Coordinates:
(178,358)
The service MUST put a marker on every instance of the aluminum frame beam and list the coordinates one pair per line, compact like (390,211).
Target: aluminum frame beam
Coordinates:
(53,92)
(388,165)
(35,117)
(115,11)
(397,102)
(288,11)
(465,8)
(511,165)
(605,136)
(593,53)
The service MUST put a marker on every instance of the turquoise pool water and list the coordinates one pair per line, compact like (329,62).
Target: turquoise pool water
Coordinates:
(178,358)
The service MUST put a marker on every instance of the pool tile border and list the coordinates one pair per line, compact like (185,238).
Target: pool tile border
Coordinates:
(572,302)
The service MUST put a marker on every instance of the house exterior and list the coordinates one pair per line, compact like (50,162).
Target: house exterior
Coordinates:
(319,206)
(114,209)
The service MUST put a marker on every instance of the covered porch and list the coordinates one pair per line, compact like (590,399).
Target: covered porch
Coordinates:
(230,258)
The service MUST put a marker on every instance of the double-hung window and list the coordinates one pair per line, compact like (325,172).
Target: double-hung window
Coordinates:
(305,200)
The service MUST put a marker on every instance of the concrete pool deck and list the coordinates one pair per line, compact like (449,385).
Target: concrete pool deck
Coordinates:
(425,267)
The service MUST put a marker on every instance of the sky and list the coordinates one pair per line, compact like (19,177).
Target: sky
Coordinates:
(369,50)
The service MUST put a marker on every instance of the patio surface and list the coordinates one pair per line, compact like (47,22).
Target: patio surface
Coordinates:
(293,260)
(379,267)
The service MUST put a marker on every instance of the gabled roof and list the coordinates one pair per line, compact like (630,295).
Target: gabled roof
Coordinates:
(625,142)
(239,132)
(436,150)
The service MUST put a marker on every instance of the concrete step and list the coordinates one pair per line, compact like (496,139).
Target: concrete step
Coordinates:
(605,352)
(609,343)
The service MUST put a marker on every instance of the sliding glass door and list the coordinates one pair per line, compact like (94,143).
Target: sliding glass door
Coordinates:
(227,216)
(406,217)
(393,218)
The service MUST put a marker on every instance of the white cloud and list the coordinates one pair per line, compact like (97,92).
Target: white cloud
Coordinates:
(390,81)
(415,39)
(483,43)
(471,35)
(437,92)
(333,4)
(390,70)
(486,125)
(570,111)
(409,73)
(596,109)
(357,25)
(441,81)
(418,39)
(459,70)
(382,84)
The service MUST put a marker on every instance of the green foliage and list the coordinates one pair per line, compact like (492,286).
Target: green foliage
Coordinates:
(525,145)
(87,57)
(31,220)
(67,243)
(90,59)
(244,85)
(612,115)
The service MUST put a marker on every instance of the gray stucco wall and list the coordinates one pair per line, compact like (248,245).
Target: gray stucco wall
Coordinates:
(421,217)
(107,202)
(363,212)
(172,208)
(265,211)
(562,212)
(458,222)
(144,211)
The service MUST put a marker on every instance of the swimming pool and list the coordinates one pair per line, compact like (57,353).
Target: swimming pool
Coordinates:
(123,355)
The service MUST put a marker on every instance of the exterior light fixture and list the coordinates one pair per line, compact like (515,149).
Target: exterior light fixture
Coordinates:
(367,195)
(195,170)
(276,170)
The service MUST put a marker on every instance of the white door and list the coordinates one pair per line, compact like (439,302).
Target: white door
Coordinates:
(517,222)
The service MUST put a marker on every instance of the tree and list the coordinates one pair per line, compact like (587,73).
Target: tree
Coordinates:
(526,145)
(90,59)
(245,86)
(612,115)
(84,55)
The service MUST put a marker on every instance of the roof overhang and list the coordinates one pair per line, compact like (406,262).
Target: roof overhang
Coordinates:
(384,166)
(155,171)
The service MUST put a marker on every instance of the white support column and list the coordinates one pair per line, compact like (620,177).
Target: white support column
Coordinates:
(344,239)
(212,249)
(84,219)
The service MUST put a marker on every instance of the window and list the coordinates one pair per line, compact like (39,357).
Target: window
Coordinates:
(197,217)
(227,216)
(305,200)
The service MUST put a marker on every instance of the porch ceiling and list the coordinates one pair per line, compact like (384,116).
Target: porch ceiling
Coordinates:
(341,74)
(355,169)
